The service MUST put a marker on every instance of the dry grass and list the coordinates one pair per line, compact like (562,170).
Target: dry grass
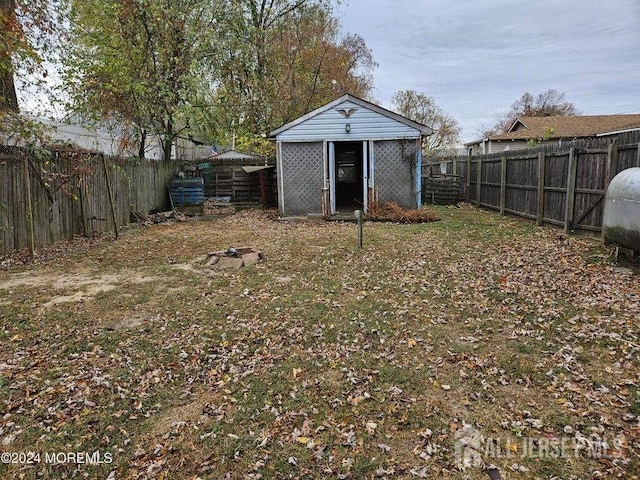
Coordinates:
(324,360)
(392,212)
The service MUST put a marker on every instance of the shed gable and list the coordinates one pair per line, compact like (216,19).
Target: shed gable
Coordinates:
(331,124)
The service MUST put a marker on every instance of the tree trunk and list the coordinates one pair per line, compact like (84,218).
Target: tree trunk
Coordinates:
(167,143)
(143,144)
(8,97)
(167,140)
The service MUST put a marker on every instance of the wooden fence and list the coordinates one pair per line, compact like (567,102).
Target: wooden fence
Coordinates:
(43,200)
(440,189)
(558,185)
(232,181)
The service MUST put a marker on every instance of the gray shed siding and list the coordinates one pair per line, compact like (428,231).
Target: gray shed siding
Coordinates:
(394,181)
(365,125)
(300,189)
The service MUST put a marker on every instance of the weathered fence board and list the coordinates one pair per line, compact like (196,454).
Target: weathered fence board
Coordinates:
(562,185)
(441,189)
(229,179)
(69,195)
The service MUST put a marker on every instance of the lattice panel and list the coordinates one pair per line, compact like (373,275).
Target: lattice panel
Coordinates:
(303,180)
(393,179)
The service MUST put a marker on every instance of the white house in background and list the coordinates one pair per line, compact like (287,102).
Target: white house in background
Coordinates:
(112,141)
(554,129)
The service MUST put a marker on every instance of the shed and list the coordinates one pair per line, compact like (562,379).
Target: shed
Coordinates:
(345,155)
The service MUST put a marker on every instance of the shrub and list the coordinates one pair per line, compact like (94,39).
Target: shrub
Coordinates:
(392,212)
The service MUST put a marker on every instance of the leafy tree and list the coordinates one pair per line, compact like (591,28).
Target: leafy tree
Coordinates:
(140,61)
(255,144)
(315,64)
(27,30)
(282,58)
(103,85)
(546,135)
(545,104)
(422,108)
(209,68)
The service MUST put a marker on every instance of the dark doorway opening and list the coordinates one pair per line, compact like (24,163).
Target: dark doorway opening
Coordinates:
(349,176)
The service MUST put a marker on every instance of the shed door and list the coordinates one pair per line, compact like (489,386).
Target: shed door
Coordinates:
(332,175)
(348,176)
(365,175)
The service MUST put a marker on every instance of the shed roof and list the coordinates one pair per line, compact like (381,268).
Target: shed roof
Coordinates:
(424,130)
(235,155)
(257,168)
(524,128)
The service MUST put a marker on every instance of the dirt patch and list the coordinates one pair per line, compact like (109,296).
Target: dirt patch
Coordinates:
(83,286)
(70,280)
(80,296)
(138,278)
(129,322)
(28,279)
(124,320)
(197,412)
(333,377)
(187,267)
(173,290)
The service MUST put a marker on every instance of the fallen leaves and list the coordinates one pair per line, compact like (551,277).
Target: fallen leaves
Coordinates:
(393,212)
(323,360)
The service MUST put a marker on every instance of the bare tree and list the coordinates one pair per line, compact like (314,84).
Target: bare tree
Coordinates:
(545,104)
(422,108)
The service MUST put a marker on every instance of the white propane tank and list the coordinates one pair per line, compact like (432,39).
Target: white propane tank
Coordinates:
(621,220)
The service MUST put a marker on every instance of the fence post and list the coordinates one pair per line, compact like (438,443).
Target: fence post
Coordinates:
(503,184)
(110,193)
(479,181)
(89,210)
(638,155)
(612,165)
(571,191)
(29,212)
(610,170)
(541,180)
(468,179)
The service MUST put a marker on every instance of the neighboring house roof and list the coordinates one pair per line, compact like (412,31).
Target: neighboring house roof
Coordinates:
(524,128)
(425,130)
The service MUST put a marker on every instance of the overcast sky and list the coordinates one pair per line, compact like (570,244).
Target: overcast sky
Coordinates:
(476,57)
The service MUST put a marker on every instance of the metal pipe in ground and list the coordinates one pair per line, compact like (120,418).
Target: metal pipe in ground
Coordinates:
(358,216)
